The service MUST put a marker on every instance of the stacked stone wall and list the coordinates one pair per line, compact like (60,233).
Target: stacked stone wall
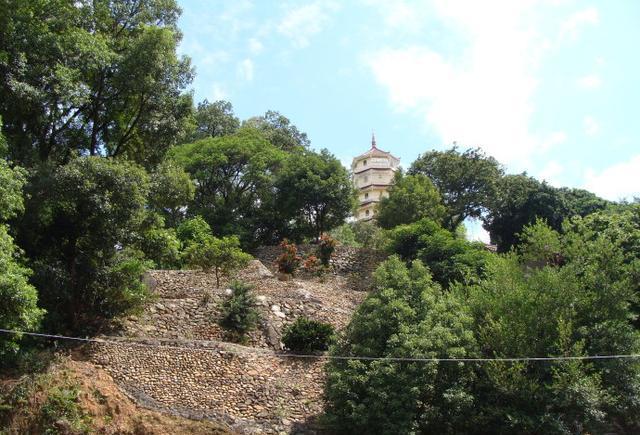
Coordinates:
(357,264)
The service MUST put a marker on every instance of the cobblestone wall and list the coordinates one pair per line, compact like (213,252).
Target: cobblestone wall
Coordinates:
(355,263)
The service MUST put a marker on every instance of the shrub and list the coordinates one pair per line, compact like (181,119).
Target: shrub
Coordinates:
(239,314)
(289,260)
(222,256)
(306,335)
(311,265)
(326,247)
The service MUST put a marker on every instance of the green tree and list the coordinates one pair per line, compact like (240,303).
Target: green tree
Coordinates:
(18,298)
(83,218)
(406,316)
(315,191)
(578,309)
(171,191)
(521,199)
(214,119)
(411,198)
(239,313)
(466,181)
(193,230)
(92,77)
(234,176)
(157,243)
(279,131)
(222,256)
(449,258)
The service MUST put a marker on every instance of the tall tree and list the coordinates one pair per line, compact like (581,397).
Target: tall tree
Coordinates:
(234,177)
(18,298)
(93,77)
(315,190)
(521,199)
(83,218)
(171,191)
(279,130)
(466,181)
(410,199)
(214,119)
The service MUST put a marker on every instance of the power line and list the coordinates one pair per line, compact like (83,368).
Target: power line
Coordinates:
(225,347)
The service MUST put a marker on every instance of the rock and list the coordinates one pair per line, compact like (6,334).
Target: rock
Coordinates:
(261,300)
(228,292)
(275,308)
(280,314)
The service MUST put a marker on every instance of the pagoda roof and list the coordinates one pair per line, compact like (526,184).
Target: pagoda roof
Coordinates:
(375,151)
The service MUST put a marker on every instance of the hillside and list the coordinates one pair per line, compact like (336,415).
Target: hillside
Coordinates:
(185,367)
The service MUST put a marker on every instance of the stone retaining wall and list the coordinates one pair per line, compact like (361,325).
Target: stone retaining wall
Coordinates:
(252,393)
(355,263)
(178,361)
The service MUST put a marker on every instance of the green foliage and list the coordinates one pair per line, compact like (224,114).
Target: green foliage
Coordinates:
(12,181)
(239,314)
(361,234)
(521,200)
(466,181)
(62,404)
(580,307)
(449,258)
(18,299)
(81,217)
(222,256)
(99,78)
(214,119)
(540,244)
(171,190)
(307,335)
(193,230)
(407,315)
(234,176)
(315,191)
(159,244)
(289,260)
(279,131)
(326,248)
(411,198)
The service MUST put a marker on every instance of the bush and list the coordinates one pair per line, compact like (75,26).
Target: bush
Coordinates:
(239,314)
(326,247)
(289,260)
(306,335)
(222,256)
(312,265)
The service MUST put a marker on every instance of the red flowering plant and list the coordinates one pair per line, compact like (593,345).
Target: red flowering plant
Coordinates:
(289,260)
(312,265)
(326,247)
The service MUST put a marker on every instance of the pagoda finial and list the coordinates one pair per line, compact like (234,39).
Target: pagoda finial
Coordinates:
(373,140)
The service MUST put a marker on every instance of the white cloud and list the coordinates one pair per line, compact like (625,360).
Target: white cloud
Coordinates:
(551,172)
(590,81)
(554,139)
(572,26)
(255,46)
(301,23)
(245,69)
(591,125)
(483,100)
(616,182)
(218,92)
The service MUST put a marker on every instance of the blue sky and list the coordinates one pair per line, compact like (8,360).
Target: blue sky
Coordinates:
(548,87)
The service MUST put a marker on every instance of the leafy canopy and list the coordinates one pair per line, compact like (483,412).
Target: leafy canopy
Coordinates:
(222,256)
(411,198)
(466,181)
